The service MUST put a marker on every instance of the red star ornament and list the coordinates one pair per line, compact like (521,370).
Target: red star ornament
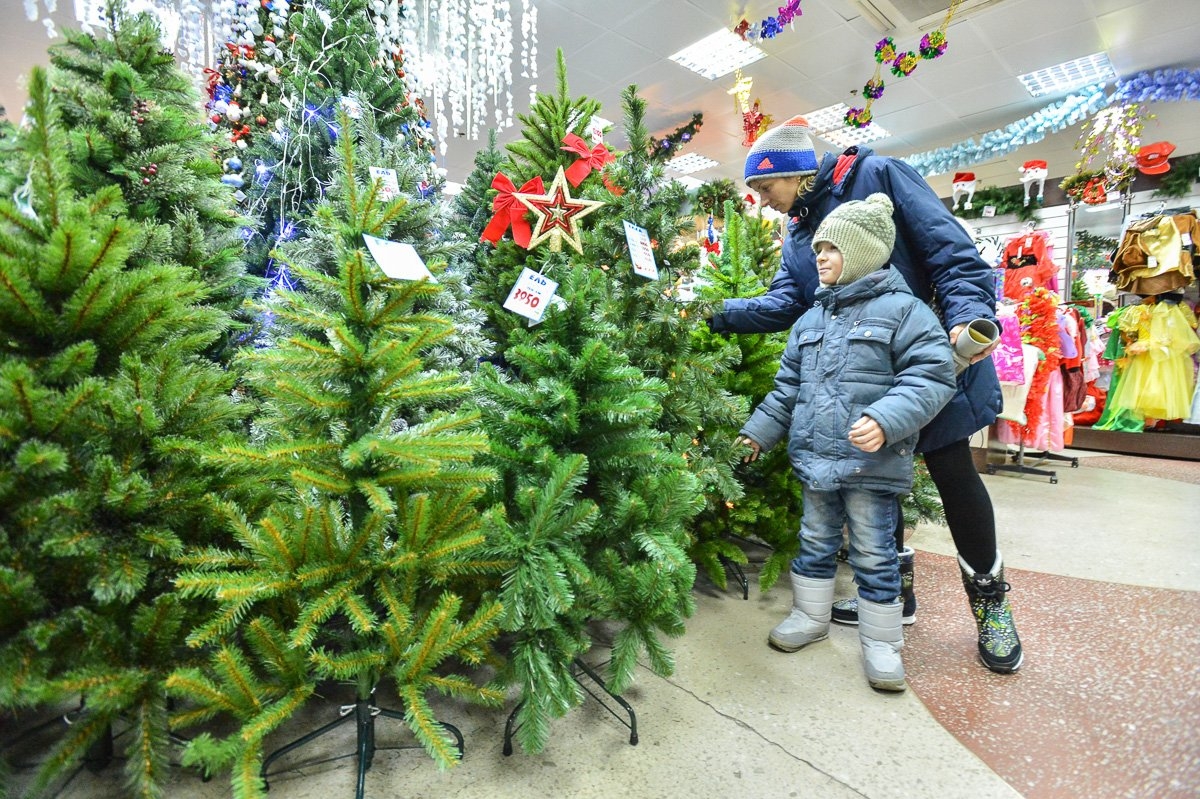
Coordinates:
(557,214)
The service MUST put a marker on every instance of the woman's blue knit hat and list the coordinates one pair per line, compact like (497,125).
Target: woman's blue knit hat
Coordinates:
(782,152)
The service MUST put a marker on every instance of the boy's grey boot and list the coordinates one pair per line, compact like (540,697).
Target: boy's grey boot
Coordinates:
(809,620)
(882,638)
(845,611)
(999,646)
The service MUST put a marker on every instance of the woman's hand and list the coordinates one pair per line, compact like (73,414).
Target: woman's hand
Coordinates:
(753,445)
(866,434)
(958,329)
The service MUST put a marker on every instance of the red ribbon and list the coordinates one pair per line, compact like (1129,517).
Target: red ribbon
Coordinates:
(509,210)
(211,79)
(595,158)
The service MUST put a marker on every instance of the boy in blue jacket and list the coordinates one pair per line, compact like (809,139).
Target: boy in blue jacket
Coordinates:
(865,369)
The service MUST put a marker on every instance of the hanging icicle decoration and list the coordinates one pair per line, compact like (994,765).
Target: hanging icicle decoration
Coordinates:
(459,55)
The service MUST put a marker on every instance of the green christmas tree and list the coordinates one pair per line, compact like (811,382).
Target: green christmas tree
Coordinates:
(105,403)
(359,570)
(769,510)
(700,414)
(131,113)
(595,499)
(334,60)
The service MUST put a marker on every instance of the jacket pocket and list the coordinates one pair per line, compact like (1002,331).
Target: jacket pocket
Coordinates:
(869,346)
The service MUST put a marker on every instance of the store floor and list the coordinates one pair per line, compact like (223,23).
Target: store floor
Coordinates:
(1105,570)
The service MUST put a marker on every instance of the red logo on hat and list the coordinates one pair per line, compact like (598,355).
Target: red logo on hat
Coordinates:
(764,164)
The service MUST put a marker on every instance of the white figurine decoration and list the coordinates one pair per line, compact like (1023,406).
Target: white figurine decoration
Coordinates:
(1034,172)
(964,183)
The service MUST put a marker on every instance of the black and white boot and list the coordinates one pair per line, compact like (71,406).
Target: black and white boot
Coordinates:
(999,645)
(845,611)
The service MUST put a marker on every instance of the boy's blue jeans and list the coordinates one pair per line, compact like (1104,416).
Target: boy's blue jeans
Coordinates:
(872,519)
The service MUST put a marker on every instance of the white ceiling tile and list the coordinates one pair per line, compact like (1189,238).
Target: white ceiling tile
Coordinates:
(1040,49)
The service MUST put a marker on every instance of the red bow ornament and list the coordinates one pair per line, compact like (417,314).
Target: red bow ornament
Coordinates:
(509,211)
(595,158)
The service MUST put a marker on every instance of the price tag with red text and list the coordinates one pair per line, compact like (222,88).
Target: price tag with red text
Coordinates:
(530,295)
(641,252)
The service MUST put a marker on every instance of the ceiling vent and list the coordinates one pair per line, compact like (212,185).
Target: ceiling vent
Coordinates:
(888,16)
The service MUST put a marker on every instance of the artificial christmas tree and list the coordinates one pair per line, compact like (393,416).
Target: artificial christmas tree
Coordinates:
(595,499)
(341,56)
(105,403)
(131,112)
(357,570)
(769,510)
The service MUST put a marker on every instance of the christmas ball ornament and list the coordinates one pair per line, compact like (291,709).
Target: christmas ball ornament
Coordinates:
(261,121)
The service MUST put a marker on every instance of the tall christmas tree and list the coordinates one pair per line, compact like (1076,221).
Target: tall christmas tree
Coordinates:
(105,403)
(357,572)
(340,54)
(699,413)
(595,502)
(131,112)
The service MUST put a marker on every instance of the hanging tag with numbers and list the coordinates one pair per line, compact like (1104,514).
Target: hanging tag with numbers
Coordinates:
(640,251)
(389,184)
(530,295)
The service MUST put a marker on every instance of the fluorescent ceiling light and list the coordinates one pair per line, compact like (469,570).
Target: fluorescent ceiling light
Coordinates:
(1069,75)
(690,183)
(691,162)
(830,124)
(718,54)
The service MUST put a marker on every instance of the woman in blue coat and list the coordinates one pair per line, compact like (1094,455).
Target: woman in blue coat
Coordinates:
(940,264)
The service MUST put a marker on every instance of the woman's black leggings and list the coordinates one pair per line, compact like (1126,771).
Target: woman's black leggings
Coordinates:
(966,502)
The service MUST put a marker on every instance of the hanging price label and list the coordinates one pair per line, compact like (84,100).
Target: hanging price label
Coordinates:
(640,251)
(389,184)
(398,259)
(530,295)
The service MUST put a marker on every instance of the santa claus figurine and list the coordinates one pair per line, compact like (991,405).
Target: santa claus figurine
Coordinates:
(963,183)
(1034,172)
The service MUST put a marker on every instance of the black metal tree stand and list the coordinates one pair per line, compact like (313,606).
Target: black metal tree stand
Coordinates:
(582,669)
(362,713)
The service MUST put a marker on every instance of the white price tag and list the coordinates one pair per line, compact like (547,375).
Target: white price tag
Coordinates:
(989,210)
(530,295)
(389,188)
(398,259)
(640,251)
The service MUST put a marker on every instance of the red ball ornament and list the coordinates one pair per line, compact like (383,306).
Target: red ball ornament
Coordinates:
(261,121)
(145,181)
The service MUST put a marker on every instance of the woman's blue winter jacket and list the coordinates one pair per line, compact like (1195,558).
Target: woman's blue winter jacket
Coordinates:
(869,348)
(933,252)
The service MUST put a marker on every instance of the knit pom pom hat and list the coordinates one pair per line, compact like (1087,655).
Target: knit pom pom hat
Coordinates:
(782,152)
(865,233)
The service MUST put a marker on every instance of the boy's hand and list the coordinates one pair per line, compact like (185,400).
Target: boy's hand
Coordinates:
(753,445)
(866,434)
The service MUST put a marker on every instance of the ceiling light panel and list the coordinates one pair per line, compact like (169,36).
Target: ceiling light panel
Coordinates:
(691,162)
(718,54)
(1068,75)
(830,124)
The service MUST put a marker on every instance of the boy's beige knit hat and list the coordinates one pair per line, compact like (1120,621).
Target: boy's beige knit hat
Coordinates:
(865,233)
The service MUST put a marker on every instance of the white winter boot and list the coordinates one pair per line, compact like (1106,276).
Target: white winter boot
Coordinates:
(812,600)
(882,638)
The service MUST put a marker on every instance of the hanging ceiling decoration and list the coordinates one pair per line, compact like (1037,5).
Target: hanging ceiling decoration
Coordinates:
(459,55)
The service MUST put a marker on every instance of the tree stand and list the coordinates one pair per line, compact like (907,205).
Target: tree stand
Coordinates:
(582,668)
(363,714)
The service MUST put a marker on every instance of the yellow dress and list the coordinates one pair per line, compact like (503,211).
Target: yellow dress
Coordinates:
(1158,379)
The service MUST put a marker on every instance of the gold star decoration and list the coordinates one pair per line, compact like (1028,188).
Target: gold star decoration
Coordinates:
(557,214)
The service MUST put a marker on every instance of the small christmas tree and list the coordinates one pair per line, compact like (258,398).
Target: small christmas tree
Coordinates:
(356,571)
(769,510)
(131,115)
(105,403)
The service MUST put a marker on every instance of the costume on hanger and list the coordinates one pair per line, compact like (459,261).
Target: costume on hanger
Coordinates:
(1045,421)
(1157,255)
(1028,265)
(1152,345)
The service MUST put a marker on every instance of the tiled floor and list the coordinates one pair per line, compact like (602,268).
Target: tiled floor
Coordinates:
(1105,570)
